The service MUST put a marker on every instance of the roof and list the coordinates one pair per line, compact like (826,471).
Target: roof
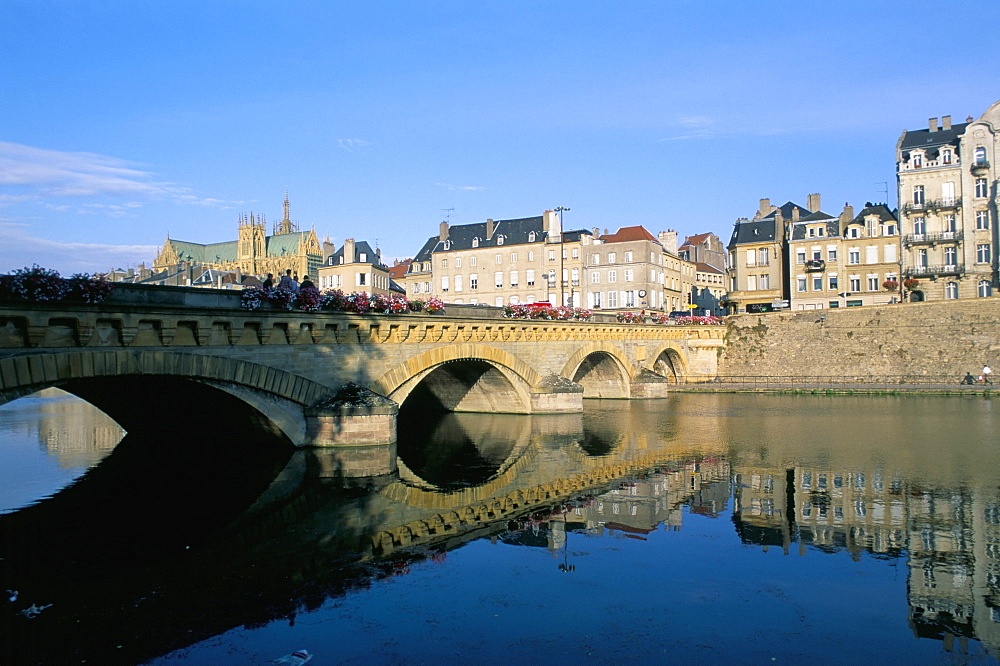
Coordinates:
(360,248)
(512,232)
(752,231)
(399,269)
(832,225)
(880,210)
(626,234)
(698,239)
(215,253)
(424,254)
(925,138)
(702,267)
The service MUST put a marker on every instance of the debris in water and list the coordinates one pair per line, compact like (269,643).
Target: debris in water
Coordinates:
(296,658)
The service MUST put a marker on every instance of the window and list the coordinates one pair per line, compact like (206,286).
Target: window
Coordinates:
(595,278)
(854,232)
(751,258)
(458,283)
(474,281)
(871,254)
(612,257)
(946,156)
(513,257)
(596,296)
(817,254)
(951,291)
(765,281)
(890,254)
(751,283)
(762,257)
(513,279)
(630,275)
(985,288)
(472,261)
(529,277)
(612,276)
(980,157)
(552,255)
(922,258)
(612,299)
(629,299)
(982,219)
(949,223)
(628,257)
(918,195)
(444,283)
(919,226)
(595,260)
(800,256)
(854,256)
(531,255)
(551,279)
(575,278)
(982,190)
(918,160)
(531,236)
(871,226)
(801,283)
(499,259)
(872,283)
(498,301)
(498,280)
(855,283)
(817,283)
(575,253)
(444,263)
(475,242)
(831,254)
(889,229)
(832,282)
(983,253)
(499,240)
(950,256)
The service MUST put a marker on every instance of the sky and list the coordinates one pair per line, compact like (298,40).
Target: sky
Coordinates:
(123,122)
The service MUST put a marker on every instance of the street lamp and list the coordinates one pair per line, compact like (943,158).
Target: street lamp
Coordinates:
(562,274)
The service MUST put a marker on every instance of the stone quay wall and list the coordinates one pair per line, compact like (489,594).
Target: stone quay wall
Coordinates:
(939,339)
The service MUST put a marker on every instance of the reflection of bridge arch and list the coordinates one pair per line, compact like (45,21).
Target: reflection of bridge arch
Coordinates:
(170,384)
(602,369)
(669,361)
(465,377)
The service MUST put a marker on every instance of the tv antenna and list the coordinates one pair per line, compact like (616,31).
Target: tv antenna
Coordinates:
(447,217)
(884,190)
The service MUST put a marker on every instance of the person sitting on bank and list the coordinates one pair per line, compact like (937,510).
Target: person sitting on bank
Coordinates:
(306,282)
(968,379)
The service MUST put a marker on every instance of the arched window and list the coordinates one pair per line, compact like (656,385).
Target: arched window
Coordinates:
(985,288)
(980,155)
(447,245)
(531,236)
(499,240)
(951,290)
(475,242)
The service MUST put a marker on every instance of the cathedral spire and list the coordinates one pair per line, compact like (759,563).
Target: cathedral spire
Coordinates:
(286,226)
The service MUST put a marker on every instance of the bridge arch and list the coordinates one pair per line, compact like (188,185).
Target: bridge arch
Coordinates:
(463,377)
(172,384)
(603,370)
(670,361)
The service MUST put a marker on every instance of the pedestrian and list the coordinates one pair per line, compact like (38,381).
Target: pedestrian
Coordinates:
(968,379)
(287,282)
(306,282)
(986,375)
(269,281)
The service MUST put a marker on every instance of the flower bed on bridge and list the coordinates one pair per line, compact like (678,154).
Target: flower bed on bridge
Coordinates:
(311,299)
(660,318)
(545,311)
(38,285)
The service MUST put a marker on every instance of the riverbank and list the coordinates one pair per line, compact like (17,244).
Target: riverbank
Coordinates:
(763,386)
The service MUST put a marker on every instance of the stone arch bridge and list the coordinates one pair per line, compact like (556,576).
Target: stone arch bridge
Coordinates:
(332,378)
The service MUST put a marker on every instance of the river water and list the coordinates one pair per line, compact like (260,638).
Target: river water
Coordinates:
(700,528)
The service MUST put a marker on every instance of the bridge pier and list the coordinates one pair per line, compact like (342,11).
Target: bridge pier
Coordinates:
(555,394)
(352,433)
(648,384)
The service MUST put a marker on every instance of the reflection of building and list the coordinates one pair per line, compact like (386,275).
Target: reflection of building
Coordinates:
(252,253)
(75,432)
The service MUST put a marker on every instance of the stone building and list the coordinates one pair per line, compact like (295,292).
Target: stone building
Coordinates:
(627,270)
(252,253)
(947,179)
(355,267)
(844,261)
(758,280)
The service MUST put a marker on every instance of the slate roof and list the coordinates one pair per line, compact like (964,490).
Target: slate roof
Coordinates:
(925,138)
(832,225)
(762,229)
(214,253)
(360,247)
(424,254)
(514,232)
(883,212)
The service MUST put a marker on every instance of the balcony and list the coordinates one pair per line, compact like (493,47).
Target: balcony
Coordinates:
(933,271)
(814,265)
(932,239)
(980,168)
(946,204)
(914,207)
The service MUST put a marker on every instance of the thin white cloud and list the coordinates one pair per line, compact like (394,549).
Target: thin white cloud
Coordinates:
(350,145)
(464,188)
(23,248)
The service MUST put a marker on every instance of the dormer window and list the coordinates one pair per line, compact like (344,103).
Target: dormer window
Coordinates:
(531,236)
(447,245)
(946,156)
(918,160)
(854,232)
(363,258)
(499,240)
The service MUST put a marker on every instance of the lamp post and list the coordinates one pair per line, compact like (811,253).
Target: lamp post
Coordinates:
(562,276)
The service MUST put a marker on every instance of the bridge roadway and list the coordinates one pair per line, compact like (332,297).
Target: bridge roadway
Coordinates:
(331,379)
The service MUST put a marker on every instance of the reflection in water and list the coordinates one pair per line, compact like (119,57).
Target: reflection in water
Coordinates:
(797,524)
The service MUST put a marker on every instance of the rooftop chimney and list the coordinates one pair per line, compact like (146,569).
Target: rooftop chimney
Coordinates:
(550,221)
(490,228)
(932,125)
(848,213)
(443,233)
(765,207)
(349,251)
(668,239)
(813,204)
(946,122)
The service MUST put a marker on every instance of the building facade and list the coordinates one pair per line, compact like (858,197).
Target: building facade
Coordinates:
(252,253)
(947,184)
(355,267)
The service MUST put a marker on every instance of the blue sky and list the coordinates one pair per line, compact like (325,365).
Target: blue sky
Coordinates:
(124,121)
